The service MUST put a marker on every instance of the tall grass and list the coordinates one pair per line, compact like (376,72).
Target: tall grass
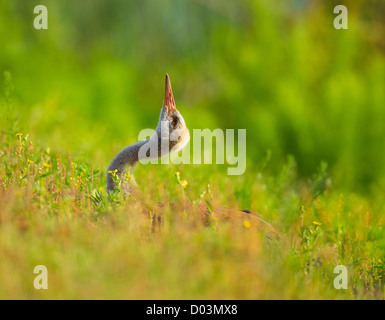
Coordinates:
(55,212)
(310,97)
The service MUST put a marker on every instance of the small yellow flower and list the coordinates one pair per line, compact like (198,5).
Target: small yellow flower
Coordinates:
(247,224)
(379,261)
(113,171)
(29,161)
(47,165)
(317,223)
(183,213)
(19,134)
(183,183)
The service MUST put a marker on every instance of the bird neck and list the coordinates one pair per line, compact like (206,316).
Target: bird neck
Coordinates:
(127,157)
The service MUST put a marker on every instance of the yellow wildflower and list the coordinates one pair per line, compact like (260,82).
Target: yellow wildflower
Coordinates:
(183,183)
(247,224)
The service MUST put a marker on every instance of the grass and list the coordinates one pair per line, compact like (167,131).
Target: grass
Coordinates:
(55,212)
(311,98)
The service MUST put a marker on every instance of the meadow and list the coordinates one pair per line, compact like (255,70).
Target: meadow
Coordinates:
(310,97)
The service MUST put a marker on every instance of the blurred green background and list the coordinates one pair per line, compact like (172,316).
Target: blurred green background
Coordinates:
(95,78)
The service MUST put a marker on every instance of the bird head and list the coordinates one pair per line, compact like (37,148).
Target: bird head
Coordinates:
(171,124)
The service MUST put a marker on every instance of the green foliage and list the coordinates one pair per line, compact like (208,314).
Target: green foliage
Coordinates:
(279,69)
(311,98)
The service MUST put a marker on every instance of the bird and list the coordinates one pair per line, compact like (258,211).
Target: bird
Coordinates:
(172,134)
(170,124)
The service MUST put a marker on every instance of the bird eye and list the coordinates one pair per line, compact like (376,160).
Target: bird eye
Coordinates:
(174,122)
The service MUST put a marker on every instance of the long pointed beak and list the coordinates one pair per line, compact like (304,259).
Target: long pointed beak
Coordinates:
(168,102)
